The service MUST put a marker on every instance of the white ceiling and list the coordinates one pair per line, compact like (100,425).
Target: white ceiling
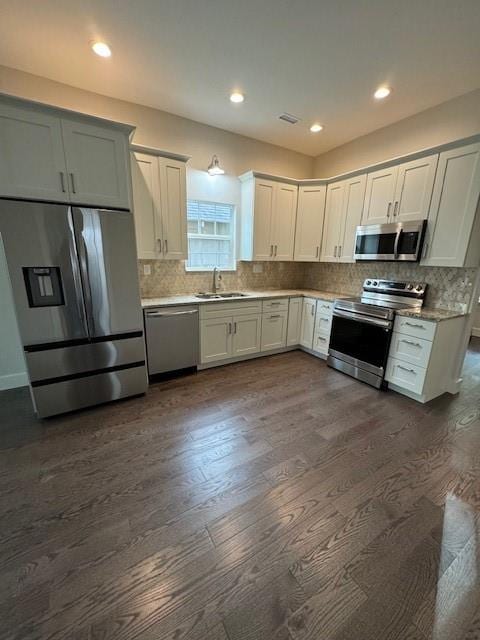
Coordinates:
(318,59)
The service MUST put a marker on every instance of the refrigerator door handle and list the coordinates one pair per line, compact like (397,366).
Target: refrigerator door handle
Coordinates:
(77,218)
(77,276)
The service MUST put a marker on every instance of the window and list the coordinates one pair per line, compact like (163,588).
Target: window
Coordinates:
(211,235)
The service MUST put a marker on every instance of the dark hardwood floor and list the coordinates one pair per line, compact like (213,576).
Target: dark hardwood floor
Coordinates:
(274,499)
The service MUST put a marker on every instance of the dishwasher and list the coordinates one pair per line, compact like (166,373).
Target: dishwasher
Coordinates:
(172,338)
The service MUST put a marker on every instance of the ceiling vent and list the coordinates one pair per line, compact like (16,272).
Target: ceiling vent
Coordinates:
(287,117)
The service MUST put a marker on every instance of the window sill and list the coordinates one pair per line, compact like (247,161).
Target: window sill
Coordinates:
(209,270)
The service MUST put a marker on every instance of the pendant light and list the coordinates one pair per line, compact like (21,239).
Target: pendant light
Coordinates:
(214,168)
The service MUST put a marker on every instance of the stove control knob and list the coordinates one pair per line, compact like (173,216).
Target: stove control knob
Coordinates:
(410,287)
(375,283)
(418,287)
(368,283)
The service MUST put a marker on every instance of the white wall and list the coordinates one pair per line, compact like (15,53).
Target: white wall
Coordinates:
(12,363)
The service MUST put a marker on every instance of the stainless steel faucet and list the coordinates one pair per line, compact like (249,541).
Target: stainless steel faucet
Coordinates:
(216,275)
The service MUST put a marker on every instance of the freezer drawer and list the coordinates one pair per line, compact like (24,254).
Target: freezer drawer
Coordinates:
(172,338)
(66,361)
(60,397)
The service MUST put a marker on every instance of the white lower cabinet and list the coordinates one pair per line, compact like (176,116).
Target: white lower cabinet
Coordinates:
(323,327)
(246,332)
(308,322)
(215,339)
(274,330)
(295,306)
(424,367)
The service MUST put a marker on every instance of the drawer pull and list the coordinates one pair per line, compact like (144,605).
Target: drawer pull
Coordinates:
(275,316)
(325,306)
(273,304)
(321,338)
(413,344)
(407,369)
(415,324)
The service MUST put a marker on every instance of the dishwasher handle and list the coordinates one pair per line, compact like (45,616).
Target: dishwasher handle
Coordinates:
(170,314)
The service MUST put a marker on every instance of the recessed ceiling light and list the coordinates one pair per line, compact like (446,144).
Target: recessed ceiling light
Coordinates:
(381,93)
(237,97)
(102,49)
(315,128)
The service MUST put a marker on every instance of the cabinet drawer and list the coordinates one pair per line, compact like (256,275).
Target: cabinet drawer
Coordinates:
(224,309)
(323,323)
(321,343)
(410,349)
(324,307)
(279,304)
(415,327)
(405,375)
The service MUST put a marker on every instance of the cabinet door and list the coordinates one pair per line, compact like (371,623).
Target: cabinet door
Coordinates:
(246,334)
(173,182)
(352,214)
(333,222)
(309,226)
(32,162)
(454,204)
(274,330)
(284,217)
(295,307)
(413,190)
(264,198)
(97,165)
(146,205)
(216,339)
(379,196)
(308,322)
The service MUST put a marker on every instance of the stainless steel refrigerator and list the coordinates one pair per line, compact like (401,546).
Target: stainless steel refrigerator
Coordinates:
(74,279)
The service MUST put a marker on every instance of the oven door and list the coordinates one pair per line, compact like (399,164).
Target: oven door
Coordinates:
(362,341)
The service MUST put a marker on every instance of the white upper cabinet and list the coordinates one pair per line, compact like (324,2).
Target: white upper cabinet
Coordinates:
(48,154)
(159,199)
(32,162)
(343,213)
(379,196)
(309,227)
(284,217)
(353,198)
(146,205)
(333,221)
(173,186)
(268,219)
(413,190)
(96,164)
(453,229)
(400,193)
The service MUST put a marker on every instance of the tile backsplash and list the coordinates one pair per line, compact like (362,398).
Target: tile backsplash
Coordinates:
(169,277)
(448,287)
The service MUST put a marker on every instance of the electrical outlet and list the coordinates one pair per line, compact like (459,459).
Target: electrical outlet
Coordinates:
(258,268)
(147,270)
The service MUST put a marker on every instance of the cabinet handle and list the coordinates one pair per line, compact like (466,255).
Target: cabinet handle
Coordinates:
(316,252)
(277,315)
(414,324)
(72,179)
(407,369)
(234,327)
(395,207)
(62,181)
(275,254)
(388,209)
(313,311)
(335,252)
(340,251)
(414,344)
(160,244)
(321,338)
(425,250)
(229,328)
(166,246)
(271,250)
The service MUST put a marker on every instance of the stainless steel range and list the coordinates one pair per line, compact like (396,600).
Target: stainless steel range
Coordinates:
(362,327)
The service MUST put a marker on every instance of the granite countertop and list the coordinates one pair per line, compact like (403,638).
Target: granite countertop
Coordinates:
(429,313)
(169,301)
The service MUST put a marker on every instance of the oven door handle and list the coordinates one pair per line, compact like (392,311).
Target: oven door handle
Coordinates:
(397,242)
(385,324)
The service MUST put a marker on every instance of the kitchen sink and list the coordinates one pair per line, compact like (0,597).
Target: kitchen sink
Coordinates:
(219,296)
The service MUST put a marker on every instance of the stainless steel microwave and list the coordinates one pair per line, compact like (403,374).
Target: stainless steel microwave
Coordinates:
(395,241)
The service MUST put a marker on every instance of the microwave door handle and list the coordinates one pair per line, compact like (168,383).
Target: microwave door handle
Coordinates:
(397,242)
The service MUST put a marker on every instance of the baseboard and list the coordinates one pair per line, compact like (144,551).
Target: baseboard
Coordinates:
(250,356)
(13,380)
(476,332)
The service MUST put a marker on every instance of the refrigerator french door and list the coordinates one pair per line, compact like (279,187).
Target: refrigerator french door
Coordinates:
(74,281)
